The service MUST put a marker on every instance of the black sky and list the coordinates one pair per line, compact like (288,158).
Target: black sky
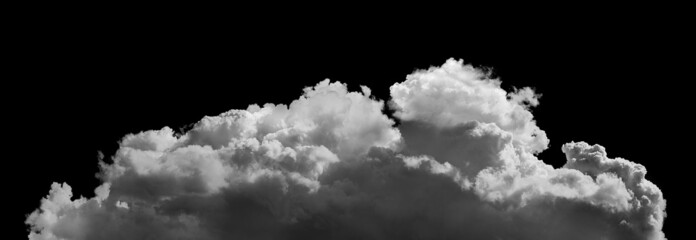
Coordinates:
(78,89)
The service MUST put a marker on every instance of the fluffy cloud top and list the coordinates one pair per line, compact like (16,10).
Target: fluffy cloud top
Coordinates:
(454,93)
(332,165)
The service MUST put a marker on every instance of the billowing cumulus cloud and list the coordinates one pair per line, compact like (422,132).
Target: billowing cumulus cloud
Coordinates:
(331,165)
(454,93)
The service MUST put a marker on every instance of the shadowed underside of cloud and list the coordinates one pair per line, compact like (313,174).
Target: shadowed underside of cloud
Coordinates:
(332,165)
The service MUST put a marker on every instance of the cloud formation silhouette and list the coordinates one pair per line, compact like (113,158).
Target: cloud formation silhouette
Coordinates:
(332,165)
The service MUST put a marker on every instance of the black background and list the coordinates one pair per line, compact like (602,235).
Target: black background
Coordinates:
(75,87)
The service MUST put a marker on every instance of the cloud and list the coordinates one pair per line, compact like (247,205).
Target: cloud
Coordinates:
(455,93)
(332,165)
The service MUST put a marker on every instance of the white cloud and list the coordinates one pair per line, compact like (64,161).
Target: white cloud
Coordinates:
(455,94)
(123,205)
(331,165)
